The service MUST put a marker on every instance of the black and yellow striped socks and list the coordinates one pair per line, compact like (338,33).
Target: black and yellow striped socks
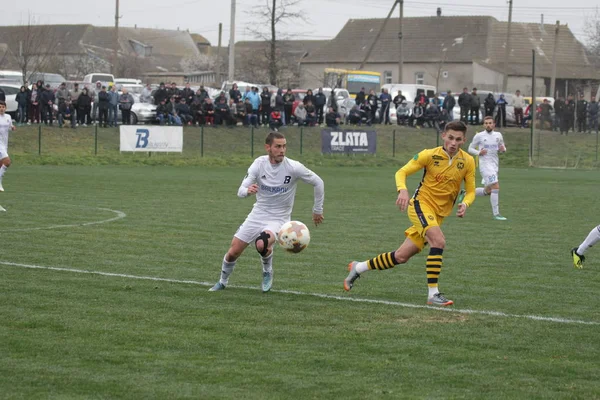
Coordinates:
(383,261)
(434,266)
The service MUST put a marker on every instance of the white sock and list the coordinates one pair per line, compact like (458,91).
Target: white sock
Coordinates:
(494,201)
(2,171)
(226,270)
(362,267)
(592,238)
(433,291)
(267,263)
(480,192)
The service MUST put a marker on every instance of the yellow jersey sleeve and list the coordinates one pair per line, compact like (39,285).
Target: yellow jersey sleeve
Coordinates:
(470,183)
(418,162)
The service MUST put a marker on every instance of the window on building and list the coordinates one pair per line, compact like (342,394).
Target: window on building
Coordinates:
(141,49)
(387,77)
(420,78)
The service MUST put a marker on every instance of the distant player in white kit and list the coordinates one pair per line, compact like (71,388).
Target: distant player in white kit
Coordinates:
(487,144)
(6,124)
(273,178)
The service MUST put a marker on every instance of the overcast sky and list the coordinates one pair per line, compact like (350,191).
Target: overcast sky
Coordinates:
(324,18)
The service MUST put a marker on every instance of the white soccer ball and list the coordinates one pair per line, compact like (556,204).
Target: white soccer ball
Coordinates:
(294,236)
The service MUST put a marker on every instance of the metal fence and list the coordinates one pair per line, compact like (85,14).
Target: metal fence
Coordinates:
(525,147)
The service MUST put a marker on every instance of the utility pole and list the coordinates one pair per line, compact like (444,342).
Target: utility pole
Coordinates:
(532,110)
(401,41)
(553,79)
(116,40)
(218,69)
(230,76)
(362,64)
(507,49)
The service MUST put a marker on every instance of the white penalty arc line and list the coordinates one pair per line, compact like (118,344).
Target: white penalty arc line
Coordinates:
(120,214)
(319,295)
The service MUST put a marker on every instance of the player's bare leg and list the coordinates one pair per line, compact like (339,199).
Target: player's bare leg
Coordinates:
(5,163)
(235,251)
(381,262)
(577,252)
(264,245)
(437,242)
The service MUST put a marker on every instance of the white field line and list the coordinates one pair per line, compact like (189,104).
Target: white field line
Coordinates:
(320,295)
(120,214)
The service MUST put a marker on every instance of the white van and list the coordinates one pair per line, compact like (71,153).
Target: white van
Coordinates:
(105,79)
(410,91)
(127,81)
(11,76)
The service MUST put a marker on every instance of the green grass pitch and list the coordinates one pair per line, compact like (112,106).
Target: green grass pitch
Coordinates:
(67,334)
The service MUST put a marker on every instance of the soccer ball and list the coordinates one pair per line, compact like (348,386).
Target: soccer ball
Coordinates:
(294,236)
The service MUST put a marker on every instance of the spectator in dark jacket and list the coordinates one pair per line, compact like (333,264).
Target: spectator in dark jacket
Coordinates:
(384,114)
(187,94)
(501,114)
(22,102)
(162,112)
(593,110)
(559,106)
(581,114)
(398,99)
(160,94)
(448,105)
(84,107)
(235,94)
(464,102)
(280,105)
(489,105)
(332,118)
(48,101)
(103,104)
(288,105)
(360,97)
(475,107)
(373,104)
(309,97)
(320,101)
(66,112)
(265,106)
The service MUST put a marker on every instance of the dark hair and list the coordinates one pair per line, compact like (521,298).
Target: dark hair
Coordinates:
(2,103)
(456,126)
(488,117)
(272,136)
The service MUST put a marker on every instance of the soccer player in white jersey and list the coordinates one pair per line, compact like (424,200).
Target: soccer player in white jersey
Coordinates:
(273,178)
(6,124)
(487,144)
(577,252)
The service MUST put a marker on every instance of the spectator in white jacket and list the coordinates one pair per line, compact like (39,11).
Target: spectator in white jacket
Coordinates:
(518,103)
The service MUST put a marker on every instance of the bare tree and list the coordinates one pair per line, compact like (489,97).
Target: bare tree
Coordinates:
(34,46)
(592,33)
(275,15)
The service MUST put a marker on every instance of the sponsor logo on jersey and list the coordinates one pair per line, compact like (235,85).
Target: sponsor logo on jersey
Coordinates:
(436,157)
(274,189)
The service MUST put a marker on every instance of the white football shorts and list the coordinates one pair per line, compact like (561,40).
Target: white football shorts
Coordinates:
(3,153)
(489,175)
(252,227)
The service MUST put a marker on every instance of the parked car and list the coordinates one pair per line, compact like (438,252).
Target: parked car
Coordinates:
(10,91)
(104,78)
(54,80)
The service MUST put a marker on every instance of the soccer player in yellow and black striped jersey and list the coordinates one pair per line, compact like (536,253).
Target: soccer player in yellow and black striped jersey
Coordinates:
(445,168)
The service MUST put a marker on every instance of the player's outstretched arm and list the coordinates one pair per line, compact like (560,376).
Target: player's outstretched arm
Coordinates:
(308,176)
